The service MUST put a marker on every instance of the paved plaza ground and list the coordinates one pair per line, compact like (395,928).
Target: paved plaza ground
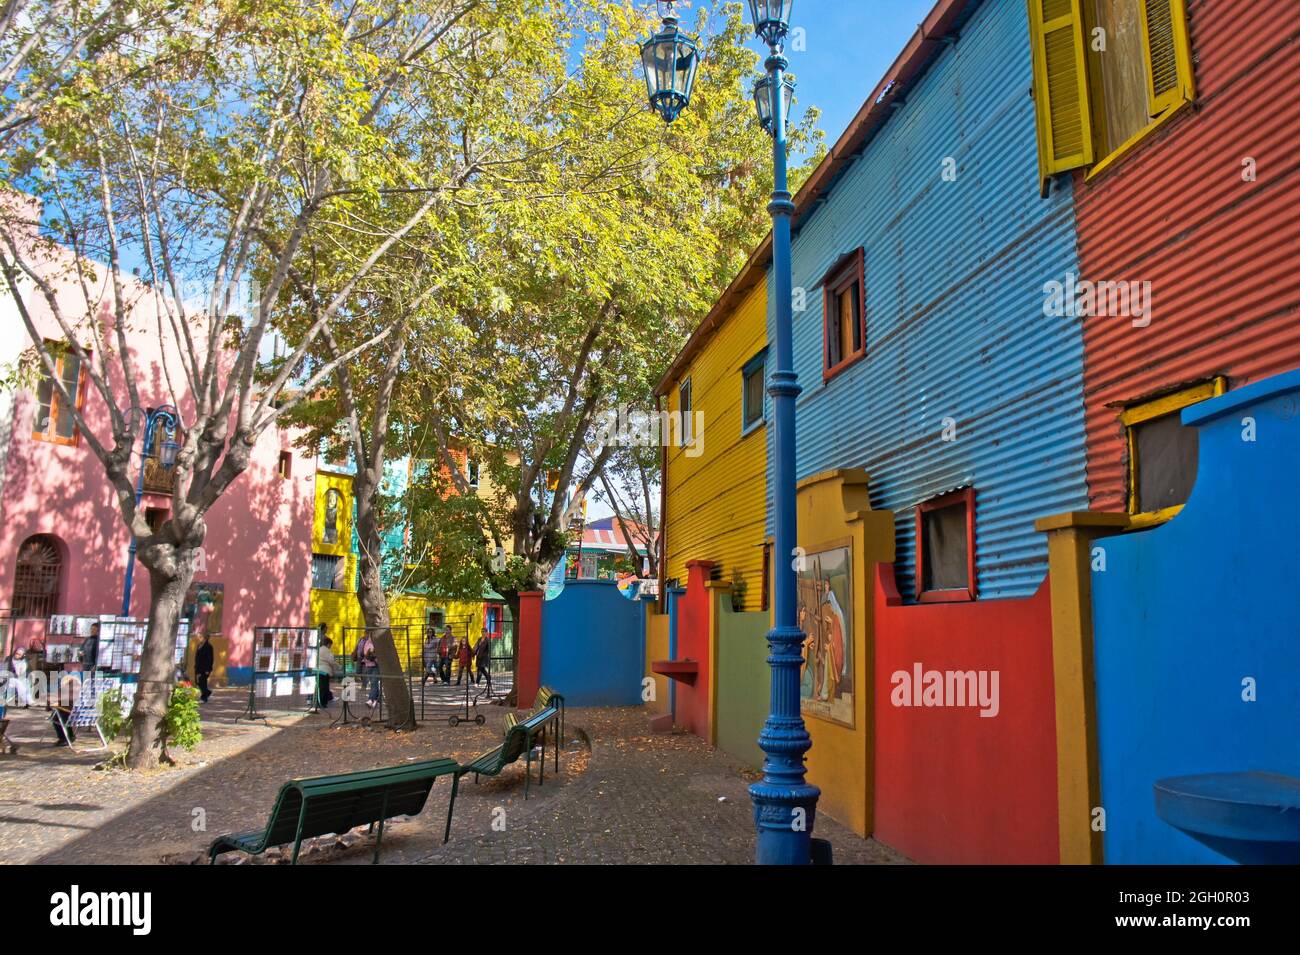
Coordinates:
(622,795)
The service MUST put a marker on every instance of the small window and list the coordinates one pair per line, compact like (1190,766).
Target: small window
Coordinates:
(1106,72)
(285,466)
(945,548)
(845,327)
(471,473)
(54,419)
(327,572)
(333,507)
(37,577)
(1162,453)
(753,380)
(685,410)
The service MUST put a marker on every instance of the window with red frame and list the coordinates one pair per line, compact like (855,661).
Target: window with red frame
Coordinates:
(945,548)
(54,419)
(845,314)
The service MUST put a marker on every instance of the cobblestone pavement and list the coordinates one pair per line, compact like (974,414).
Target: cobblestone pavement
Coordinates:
(633,798)
(646,798)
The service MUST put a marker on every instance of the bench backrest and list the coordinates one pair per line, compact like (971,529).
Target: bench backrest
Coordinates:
(546,697)
(516,742)
(342,802)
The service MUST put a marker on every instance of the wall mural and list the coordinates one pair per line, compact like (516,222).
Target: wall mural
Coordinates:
(826,618)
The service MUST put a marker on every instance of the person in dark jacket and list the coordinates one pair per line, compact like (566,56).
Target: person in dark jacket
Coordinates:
(203,663)
(90,650)
(483,659)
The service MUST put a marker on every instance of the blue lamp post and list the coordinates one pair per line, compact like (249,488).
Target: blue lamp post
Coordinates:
(785,804)
(168,419)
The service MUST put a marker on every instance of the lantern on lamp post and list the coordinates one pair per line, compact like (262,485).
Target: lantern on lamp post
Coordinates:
(670,58)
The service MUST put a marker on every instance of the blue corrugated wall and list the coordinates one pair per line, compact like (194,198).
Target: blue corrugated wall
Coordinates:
(955,327)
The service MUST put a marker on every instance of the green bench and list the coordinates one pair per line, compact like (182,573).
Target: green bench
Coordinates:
(519,738)
(322,805)
(546,697)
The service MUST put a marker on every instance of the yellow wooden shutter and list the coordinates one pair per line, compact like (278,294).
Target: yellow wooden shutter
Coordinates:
(1056,37)
(1169,55)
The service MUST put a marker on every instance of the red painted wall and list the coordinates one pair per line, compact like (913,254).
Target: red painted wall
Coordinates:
(693,640)
(1220,253)
(529,648)
(953,786)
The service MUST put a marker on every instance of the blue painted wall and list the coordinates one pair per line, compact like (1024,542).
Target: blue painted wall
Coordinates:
(955,275)
(1183,613)
(593,645)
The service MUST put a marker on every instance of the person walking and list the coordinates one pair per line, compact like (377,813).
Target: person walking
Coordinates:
(203,663)
(430,658)
(483,659)
(368,664)
(444,655)
(463,660)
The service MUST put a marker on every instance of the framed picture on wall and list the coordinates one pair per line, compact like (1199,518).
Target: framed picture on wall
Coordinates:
(825,607)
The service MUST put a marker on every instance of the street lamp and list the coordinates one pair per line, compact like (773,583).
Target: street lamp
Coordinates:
(785,804)
(169,420)
(670,58)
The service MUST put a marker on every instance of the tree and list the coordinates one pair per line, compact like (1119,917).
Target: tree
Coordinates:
(497,74)
(214,168)
(582,301)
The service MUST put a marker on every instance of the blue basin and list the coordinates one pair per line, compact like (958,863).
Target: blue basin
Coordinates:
(1252,818)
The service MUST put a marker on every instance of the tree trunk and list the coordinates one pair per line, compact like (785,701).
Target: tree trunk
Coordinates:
(374,609)
(169,580)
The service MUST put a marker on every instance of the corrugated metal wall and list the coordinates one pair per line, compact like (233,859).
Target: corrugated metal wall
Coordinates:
(715,502)
(955,275)
(1221,253)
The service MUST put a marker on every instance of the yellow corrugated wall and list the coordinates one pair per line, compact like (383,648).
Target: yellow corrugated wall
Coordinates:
(716,502)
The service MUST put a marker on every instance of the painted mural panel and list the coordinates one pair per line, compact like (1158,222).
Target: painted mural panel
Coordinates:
(826,617)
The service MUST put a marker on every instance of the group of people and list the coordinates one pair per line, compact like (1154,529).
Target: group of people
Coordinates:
(472,663)
(440,650)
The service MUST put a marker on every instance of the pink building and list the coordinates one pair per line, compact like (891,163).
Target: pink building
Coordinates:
(63,546)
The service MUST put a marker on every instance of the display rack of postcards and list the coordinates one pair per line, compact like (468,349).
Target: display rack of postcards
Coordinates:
(121,643)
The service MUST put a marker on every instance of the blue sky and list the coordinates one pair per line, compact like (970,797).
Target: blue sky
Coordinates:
(850,45)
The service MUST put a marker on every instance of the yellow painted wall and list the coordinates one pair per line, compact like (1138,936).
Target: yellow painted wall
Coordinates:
(341,609)
(834,510)
(656,648)
(716,502)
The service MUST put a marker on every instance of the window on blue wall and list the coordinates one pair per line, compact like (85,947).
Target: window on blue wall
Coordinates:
(844,313)
(753,378)
(945,548)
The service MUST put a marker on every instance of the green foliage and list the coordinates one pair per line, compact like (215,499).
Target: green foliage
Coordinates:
(181,726)
(112,718)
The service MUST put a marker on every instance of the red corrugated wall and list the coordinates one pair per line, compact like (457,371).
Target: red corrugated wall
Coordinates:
(951,786)
(1222,254)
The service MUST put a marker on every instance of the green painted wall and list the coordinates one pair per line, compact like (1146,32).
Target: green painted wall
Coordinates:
(743,682)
